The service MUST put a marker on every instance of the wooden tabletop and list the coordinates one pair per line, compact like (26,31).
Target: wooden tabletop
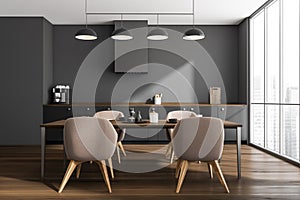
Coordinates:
(146,124)
(229,124)
(54,124)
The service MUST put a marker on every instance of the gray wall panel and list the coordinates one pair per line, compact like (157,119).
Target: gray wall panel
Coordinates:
(69,53)
(47,60)
(21,72)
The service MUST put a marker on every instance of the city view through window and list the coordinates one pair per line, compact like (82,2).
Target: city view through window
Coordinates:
(274,78)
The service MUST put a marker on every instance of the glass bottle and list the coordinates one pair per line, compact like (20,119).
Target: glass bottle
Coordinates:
(138,117)
(131,118)
(153,116)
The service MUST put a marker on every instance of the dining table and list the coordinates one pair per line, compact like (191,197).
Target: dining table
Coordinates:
(163,124)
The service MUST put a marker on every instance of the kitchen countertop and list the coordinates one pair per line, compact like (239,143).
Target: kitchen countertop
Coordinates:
(145,104)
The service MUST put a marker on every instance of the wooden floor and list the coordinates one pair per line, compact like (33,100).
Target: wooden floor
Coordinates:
(263,177)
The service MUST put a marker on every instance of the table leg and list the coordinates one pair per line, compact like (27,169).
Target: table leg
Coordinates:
(238,148)
(43,142)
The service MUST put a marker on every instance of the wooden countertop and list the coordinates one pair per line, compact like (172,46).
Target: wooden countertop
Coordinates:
(140,104)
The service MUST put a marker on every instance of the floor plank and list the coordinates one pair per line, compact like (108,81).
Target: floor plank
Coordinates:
(263,176)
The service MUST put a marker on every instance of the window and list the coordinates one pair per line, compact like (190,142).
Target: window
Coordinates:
(258,59)
(274,76)
(290,51)
(272,53)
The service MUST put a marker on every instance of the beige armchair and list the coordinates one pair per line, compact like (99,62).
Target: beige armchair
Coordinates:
(113,115)
(176,114)
(110,115)
(88,139)
(198,139)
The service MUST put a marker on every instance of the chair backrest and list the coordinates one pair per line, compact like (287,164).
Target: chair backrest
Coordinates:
(109,114)
(180,114)
(112,115)
(89,138)
(199,139)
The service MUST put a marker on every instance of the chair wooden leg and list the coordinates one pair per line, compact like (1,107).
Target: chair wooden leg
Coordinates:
(103,170)
(122,148)
(111,168)
(178,167)
(78,171)
(210,170)
(184,167)
(69,171)
(118,154)
(218,170)
(168,150)
(172,156)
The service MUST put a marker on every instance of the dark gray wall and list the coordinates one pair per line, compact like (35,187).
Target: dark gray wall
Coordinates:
(69,53)
(36,55)
(21,71)
(127,63)
(243,61)
(221,43)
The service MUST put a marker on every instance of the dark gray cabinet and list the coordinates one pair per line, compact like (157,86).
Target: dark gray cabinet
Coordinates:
(235,113)
(59,112)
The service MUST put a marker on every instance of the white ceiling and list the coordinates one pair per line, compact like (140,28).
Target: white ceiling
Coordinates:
(222,12)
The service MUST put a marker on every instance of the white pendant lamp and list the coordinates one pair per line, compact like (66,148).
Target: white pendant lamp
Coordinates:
(194,33)
(86,33)
(157,33)
(121,33)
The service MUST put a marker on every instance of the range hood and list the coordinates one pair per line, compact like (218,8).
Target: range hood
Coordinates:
(131,56)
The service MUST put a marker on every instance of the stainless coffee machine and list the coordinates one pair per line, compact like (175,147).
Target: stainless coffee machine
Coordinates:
(61,94)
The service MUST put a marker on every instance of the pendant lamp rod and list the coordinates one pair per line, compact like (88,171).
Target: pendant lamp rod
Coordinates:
(121,20)
(194,33)
(85,10)
(193,13)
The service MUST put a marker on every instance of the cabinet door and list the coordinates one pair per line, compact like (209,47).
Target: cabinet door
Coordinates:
(208,111)
(153,135)
(53,113)
(136,135)
(79,111)
(59,112)
(162,136)
(102,108)
(237,114)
